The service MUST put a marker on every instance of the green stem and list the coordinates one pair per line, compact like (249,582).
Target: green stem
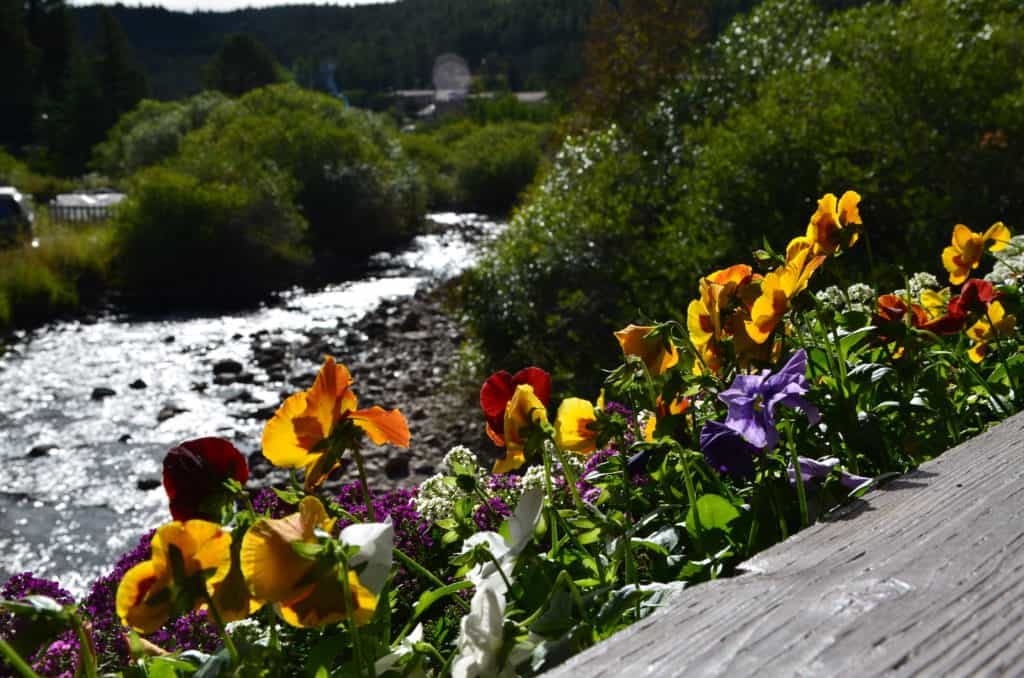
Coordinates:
(370,515)
(800,492)
(425,573)
(219,623)
(691,493)
(87,658)
(570,479)
(548,500)
(15,660)
(353,628)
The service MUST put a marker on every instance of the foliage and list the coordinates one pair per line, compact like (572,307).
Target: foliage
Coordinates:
(67,269)
(151,133)
(175,231)
(919,103)
(496,162)
(240,65)
(532,44)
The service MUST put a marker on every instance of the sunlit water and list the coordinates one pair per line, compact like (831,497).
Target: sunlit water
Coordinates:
(67,513)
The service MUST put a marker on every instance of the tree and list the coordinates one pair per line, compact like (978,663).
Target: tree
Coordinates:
(121,82)
(242,64)
(20,59)
(634,49)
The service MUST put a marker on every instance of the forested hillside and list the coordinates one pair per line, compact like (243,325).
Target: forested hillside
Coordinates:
(532,43)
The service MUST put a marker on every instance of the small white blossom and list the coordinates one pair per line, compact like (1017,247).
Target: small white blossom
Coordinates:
(460,455)
(405,647)
(435,499)
(861,297)
(831,297)
(533,479)
(922,281)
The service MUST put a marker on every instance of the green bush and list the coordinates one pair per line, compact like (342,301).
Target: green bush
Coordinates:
(353,184)
(185,240)
(918,106)
(151,133)
(495,163)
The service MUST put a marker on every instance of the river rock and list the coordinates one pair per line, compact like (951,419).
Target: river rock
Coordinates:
(101,392)
(41,451)
(138,384)
(227,366)
(397,467)
(169,411)
(147,484)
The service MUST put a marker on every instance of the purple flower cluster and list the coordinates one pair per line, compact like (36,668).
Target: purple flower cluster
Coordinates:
(193,631)
(588,492)
(488,517)
(14,627)
(412,532)
(502,481)
(267,500)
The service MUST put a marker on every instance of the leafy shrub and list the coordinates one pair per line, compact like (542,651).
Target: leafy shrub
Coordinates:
(353,184)
(920,105)
(182,239)
(495,163)
(152,133)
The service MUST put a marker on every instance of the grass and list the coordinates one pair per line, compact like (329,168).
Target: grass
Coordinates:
(69,267)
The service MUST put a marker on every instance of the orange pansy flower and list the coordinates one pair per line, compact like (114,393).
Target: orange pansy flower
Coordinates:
(522,412)
(574,426)
(299,434)
(778,289)
(657,354)
(827,224)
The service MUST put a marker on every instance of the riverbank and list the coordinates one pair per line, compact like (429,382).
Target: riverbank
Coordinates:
(402,354)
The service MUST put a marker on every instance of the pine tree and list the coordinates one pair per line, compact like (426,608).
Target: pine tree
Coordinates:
(242,64)
(20,61)
(121,82)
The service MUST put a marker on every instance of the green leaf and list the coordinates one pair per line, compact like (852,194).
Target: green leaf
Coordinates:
(168,667)
(714,512)
(430,597)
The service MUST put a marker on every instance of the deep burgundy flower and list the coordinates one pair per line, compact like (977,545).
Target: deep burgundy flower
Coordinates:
(974,297)
(752,399)
(497,391)
(727,451)
(194,473)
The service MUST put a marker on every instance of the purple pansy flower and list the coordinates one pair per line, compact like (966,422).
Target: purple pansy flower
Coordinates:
(818,469)
(752,400)
(727,451)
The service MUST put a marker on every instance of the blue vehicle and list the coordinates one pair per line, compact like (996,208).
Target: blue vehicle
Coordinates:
(15,217)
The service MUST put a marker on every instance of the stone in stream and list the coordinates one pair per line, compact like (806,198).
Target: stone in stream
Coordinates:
(101,392)
(137,384)
(147,484)
(41,451)
(169,411)
(397,467)
(227,366)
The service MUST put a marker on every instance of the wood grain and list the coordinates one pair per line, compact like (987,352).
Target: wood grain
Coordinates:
(922,577)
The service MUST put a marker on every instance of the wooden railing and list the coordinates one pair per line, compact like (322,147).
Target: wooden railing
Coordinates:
(80,213)
(924,576)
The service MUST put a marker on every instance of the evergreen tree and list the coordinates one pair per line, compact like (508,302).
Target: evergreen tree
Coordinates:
(242,64)
(121,82)
(20,63)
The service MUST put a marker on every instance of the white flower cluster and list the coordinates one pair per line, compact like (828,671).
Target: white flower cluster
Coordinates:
(435,499)
(921,281)
(460,455)
(857,297)
(1009,267)
(533,479)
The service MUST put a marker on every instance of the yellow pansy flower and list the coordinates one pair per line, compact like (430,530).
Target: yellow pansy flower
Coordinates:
(523,410)
(189,559)
(299,433)
(996,322)
(828,228)
(779,287)
(304,591)
(656,353)
(964,254)
(573,426)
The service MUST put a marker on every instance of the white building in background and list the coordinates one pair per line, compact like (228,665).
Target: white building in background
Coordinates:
(85,206)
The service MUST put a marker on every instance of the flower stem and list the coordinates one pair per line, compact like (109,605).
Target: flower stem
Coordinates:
(549,501)
(219,623)
(370,515)
(353,628)
(87,657)
(800,492)
(15,660)
(425,573)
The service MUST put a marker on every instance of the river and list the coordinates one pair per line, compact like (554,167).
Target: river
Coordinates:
(77,467)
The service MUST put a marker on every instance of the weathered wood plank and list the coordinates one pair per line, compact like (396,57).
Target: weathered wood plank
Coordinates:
(922,577)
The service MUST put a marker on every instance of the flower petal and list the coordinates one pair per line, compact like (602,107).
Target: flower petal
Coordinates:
(287,444)
(999,235)
(138,584)
(382,426)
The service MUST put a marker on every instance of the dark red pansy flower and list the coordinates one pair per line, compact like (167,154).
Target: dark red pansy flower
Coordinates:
(498,390)
(194,475)
(892,309)
(974,297)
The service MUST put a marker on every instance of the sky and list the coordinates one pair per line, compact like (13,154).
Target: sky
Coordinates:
(220,5)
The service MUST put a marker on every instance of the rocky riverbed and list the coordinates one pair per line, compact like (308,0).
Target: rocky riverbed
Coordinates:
(403,354)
